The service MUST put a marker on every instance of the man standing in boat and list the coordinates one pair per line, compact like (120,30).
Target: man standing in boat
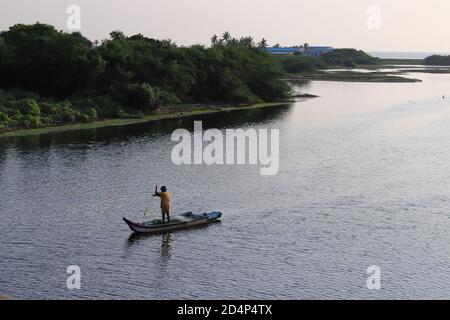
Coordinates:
(165,202)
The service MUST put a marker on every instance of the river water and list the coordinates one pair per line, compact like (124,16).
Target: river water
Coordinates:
(364,180)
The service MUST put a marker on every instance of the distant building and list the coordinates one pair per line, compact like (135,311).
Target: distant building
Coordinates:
(315,51)
(311,51)
(283,50)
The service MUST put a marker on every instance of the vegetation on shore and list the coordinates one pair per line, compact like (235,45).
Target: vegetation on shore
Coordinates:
(348,58)
(170,112)
(394,62)
(56,77)
(59,78)
(300,68)
(352,76)
(437,60)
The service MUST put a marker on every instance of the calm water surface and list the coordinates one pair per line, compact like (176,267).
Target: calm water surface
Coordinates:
(364,180)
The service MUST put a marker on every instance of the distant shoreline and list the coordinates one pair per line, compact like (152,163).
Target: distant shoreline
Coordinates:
(373,74)
(165,113)
(181,111)
(404,55)
(351,76)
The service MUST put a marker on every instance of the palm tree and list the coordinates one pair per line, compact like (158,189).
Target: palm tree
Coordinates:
(248,41)
(262,44)
(276,45)
(214,40)
(226,36)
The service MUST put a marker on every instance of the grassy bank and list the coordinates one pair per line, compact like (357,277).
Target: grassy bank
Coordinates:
(441,70)
(352,76)
(179,111)
(401,61)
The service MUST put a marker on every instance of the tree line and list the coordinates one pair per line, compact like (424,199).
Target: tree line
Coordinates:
(51,76)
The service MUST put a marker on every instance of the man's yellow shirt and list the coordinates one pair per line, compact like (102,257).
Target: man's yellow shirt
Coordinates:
(165,200)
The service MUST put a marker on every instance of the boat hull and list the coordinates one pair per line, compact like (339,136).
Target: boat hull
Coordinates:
(183,221)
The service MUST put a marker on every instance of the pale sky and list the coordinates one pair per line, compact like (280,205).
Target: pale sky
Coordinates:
(404,25)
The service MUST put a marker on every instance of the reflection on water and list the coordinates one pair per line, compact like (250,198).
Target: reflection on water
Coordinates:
(86,139)
(165,249)
(140,240)
(363,181)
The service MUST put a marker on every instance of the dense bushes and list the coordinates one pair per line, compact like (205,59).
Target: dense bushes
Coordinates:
(300,63)
(5,120)
(348,58)
(41,59)
(437,60)
(35,112)
(74,79)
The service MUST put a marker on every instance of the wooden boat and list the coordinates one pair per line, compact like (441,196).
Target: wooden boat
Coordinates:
(181,221)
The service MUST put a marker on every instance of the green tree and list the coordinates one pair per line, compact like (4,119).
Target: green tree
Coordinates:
(247,41)
(262,44)
(214,40)
(226,36)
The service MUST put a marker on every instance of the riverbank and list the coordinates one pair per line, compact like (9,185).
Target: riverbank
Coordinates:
(179,111)
(401,61)
(353,76)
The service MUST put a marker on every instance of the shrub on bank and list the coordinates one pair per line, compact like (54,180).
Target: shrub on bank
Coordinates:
(5,121)
(29,113)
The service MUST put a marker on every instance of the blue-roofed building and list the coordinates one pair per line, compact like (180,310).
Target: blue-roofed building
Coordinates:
(310,51)
(282,50)
(316,51)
